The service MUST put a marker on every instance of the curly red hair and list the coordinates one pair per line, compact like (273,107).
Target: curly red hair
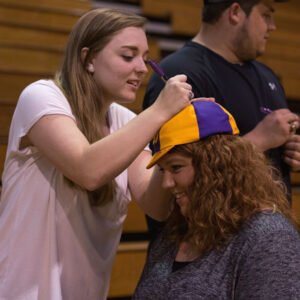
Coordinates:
(233,181)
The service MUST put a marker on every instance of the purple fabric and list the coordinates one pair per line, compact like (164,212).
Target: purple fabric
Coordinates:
(212,125)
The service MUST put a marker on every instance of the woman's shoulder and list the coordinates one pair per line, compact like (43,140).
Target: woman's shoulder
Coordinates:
(43,89)
(269,221)
(41,86)
(40,98)
(269,228)
(43,92)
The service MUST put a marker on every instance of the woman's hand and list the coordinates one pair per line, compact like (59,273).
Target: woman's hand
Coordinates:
(174,97)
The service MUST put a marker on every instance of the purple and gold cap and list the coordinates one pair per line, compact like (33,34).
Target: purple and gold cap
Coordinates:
(195,122)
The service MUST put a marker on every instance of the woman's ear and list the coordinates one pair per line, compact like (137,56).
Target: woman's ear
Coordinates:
(83,53)
(90,67)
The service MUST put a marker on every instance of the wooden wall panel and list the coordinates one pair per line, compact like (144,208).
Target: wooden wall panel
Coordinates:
(6,113)
(154,50)
(296,202)
(292,88)
(2,158)
(46,20)
(128,266)
(17,60)
(12,84)
(288,71)
(184,15)
(160,9)
(76,7)
(31,38)
(33,35)
(283,50)
(135,221)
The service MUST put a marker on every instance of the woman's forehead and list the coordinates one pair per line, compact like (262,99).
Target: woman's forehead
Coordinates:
(130,37)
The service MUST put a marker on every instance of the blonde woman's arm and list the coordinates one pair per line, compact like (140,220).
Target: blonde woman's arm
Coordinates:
(146,189)
(93,165)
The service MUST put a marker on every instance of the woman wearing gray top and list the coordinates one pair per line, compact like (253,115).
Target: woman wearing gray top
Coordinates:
(230,234)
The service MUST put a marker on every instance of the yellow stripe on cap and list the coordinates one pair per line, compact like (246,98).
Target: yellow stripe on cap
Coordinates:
(184,129)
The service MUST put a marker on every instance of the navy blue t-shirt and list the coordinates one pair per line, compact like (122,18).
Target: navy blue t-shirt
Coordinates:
(241,89)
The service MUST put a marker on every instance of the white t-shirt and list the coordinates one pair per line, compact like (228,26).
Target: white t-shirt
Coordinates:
(53,245)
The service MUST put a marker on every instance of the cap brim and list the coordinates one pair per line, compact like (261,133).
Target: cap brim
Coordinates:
(158,155)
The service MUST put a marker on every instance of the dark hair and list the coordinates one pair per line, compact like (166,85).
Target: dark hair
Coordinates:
(212,12)
(233,182)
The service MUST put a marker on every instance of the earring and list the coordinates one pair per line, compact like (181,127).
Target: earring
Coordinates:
(90,68)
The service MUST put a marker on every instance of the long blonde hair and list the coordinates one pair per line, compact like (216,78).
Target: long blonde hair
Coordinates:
(233,181)
(93,30)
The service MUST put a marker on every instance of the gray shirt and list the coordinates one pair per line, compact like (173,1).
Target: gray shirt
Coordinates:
(261,262)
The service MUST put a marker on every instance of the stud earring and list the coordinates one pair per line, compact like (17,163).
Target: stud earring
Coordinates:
(90,68)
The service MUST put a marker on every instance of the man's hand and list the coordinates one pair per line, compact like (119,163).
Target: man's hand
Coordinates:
(292,152)
(274,130)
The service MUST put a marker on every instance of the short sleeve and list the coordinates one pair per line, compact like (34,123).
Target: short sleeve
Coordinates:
(38,99)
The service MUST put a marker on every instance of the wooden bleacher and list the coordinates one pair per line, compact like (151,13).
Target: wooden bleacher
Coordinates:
(283,54)
(33,34)
(184,15)
(296,202)
(131,256)
(2,155)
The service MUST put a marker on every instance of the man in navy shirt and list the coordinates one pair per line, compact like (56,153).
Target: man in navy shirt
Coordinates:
(220,62)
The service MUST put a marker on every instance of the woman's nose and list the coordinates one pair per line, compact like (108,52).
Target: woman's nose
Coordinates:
(168,181)
(141,66)
(272,25)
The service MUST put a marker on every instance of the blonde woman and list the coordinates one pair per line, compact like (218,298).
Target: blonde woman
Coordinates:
(75,159)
